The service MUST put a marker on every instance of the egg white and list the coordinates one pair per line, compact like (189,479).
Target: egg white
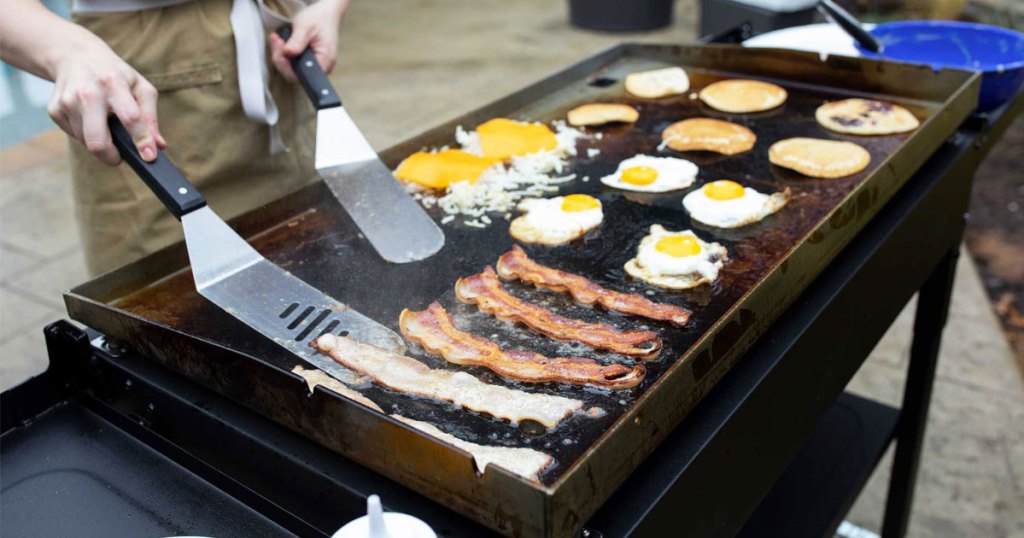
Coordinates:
(545,222)
(747,209)
(673,174)
(670,272)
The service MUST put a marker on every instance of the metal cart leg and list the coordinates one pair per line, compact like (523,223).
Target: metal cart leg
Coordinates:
(930,318)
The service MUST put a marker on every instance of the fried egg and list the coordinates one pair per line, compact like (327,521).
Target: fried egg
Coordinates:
(441,169)
(644,173)
(727,204)
(676,260)
(556,221)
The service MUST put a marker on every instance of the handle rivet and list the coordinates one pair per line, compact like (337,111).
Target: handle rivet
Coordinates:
(309,63)
(323,91)
(182,190)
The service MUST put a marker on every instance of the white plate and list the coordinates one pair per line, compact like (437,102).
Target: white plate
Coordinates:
(825,38)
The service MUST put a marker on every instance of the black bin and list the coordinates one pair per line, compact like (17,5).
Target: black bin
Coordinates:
(621,15)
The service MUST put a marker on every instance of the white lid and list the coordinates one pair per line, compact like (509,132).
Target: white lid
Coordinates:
(779,6)
(824,38)
(380,524)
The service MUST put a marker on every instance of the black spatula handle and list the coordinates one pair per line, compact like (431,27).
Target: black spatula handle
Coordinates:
(850,24)
(311,76)
(161,176)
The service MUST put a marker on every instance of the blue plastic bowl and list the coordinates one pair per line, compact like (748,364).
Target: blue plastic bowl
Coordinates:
(996,52)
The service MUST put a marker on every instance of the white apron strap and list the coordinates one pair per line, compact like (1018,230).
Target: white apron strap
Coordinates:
(250,22)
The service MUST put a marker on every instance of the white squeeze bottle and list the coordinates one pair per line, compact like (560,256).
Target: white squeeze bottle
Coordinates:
(380,524)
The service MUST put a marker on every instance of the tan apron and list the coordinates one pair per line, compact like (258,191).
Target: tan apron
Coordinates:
(187,51)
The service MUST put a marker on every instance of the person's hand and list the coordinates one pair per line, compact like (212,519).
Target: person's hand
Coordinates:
(91,82)
(315,26)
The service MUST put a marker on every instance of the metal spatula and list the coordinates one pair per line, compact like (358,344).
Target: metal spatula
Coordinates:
(850,25)
(395,224)
(233,276)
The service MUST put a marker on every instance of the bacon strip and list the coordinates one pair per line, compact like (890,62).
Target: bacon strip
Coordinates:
(486,291)
(525,462)
(316,377)
(515,264)
(434,329)
(408,375)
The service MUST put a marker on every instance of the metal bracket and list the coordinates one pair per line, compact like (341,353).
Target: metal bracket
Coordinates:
(65,344)
(21,404)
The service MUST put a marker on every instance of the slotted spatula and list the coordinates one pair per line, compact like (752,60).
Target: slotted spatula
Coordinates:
(395,224)
(232,275)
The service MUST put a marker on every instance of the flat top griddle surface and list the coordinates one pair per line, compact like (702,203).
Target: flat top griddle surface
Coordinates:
(321,246)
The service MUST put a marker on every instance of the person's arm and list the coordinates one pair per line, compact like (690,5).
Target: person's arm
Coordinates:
(314,26)
(91,81)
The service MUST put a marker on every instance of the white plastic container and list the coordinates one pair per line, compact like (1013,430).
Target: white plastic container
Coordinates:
(380,524)
(779,6)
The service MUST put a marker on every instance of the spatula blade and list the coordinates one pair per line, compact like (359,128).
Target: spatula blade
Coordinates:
(392,221)
(278,305)
(232,275)
(287,310)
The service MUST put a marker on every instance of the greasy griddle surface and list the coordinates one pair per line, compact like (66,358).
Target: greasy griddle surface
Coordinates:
(321,247)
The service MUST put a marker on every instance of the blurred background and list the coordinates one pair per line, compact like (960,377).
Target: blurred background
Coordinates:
(406,65)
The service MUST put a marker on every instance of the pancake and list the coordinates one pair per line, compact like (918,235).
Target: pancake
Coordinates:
(601,113)
(706,134)
(743,96)
(819,158)
(865,117)
(658,82)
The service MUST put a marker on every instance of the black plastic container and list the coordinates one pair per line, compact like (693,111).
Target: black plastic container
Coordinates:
(621,15)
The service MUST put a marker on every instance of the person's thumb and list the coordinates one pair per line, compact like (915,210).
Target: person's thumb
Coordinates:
(298,41)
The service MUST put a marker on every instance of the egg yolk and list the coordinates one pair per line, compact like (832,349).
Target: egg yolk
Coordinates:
(438,170)
(678,246)
(723,189)
(502,138)
(639,175)
(574,203)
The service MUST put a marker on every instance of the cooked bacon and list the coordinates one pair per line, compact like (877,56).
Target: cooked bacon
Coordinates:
(515,264)
(486,291)
(434,329)
(316,377)
(525,462)
(408,375)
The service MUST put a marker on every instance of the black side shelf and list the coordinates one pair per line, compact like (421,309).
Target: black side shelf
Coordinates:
(821,484)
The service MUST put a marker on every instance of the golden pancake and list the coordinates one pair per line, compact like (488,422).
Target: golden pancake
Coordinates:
(743,96)
(706,134)
(601,113)
(819,158)
(865,117)
(658,82)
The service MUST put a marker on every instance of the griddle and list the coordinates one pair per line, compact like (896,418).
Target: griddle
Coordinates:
(151,306)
